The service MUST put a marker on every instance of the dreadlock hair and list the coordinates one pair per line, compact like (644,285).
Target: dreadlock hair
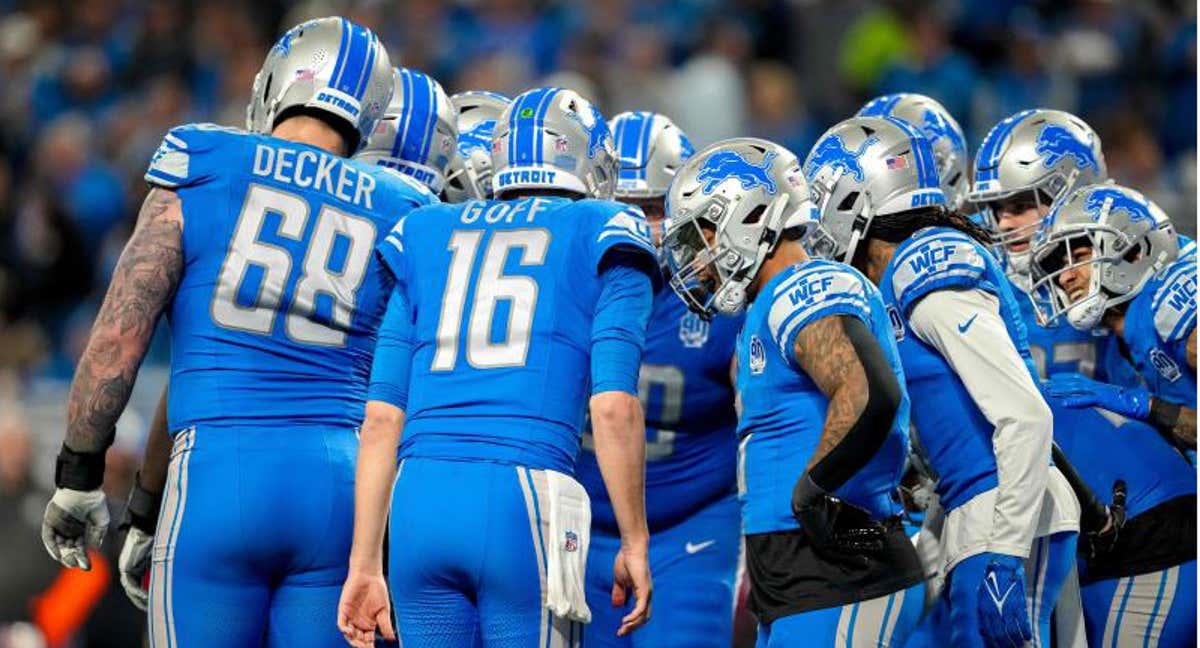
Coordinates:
(895,228)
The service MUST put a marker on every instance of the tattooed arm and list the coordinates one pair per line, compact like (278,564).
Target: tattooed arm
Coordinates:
(846,362)
(143,283)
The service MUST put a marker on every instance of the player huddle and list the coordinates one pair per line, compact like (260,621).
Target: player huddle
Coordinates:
(487,421)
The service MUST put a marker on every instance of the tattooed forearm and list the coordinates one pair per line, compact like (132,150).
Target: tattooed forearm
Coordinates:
(143,283)
(826,354)
(1185,427)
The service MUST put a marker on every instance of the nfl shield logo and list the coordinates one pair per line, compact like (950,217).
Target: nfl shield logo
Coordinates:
(693,331)
(1166,367)
(572,541)
(758,356)
(562,145)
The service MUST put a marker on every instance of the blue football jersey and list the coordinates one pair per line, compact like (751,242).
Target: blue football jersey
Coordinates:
(691,425)
(1158,323)
(1105,447)
(783,410)
(503,295)
(274,319)
(952,433)
(1058,349)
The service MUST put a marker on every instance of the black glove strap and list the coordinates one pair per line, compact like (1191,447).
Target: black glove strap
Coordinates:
(82,471)
(141,510)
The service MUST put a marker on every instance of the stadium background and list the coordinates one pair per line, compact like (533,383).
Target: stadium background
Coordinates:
(88,89)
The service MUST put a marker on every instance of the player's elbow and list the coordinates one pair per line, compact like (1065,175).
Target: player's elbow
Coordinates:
(614,411)
(1032,416)
(382,422)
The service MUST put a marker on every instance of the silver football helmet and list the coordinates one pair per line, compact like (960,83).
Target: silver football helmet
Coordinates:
(863,168)
(417,134)
(1045,153)
(470,174)
(328,64)
(553,138)
(746,192)
(650,148)
(1129,239)
(942,131)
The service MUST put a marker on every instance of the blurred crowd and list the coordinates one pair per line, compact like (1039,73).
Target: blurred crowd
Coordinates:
(90,88)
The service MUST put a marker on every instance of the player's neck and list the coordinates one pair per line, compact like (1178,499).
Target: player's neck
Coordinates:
(1114,320)
(787,254)
(879,255)
(312,131)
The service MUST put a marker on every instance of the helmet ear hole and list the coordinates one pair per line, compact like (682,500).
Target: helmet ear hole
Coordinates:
(755,215)
(267,88)
(848,202)
(1134,253)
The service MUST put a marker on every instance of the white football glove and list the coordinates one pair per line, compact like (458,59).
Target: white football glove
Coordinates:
(134,563)
(74,520)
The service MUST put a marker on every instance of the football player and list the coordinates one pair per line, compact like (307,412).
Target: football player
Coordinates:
(259,247)
(981,423)
(418,132)
(687,394)
(501,310)
(1027,162)
(1137,560)
(1108,257)
(824,421)
(385,146)
(470,173)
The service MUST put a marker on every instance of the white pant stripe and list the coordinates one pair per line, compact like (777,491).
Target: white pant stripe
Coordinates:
(533,485)
(897,606)
(1037,564)
(1115,610)
(1158,618)
(1133,619)
(872,620)
(162,626)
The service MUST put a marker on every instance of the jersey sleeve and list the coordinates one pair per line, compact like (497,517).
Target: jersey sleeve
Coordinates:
(185,157)
(947,260)
(393,352)
(619,329)
(1174,304)
(391,250)
(816,290)
(620,232)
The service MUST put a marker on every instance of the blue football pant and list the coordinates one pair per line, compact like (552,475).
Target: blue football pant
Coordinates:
(882,622)
(1143,611)
(694,565)
(955,616)
(467,557)
(253,538)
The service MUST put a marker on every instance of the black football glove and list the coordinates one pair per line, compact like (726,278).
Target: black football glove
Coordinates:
(833,524)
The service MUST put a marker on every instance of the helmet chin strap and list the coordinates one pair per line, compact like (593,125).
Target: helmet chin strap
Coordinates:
(1086,314)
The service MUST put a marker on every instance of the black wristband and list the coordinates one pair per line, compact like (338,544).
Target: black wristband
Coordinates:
(141,509)
(1164,415)
(82,471)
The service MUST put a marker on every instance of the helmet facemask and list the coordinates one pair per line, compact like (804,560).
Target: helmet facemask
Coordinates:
(1060,253)
(1046,194)
(714,276)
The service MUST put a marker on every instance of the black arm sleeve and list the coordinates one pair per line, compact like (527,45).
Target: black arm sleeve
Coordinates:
(871,429)
(1093,514)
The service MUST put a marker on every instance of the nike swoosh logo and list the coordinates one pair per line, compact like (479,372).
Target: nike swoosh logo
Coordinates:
(993,588)
(699,546)
(962,328)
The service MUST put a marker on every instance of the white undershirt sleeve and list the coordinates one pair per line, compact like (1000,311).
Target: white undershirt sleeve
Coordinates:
(998,380)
